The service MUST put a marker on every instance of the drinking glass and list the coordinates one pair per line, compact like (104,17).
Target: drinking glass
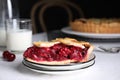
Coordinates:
(18,34)
(8,10)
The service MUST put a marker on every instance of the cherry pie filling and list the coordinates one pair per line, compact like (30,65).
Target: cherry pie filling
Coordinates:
(57,52)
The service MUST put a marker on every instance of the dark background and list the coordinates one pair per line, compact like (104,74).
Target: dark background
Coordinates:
(91,8)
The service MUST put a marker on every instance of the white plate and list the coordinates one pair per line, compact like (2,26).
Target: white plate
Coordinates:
(71,66)
(68,30)
(41,70)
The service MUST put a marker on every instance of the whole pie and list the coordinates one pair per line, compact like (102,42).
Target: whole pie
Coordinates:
(93,25)
(59,51)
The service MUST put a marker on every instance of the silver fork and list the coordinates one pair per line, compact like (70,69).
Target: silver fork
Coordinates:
(110,50)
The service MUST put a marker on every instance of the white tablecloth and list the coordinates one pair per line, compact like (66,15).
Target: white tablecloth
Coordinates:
(106,67)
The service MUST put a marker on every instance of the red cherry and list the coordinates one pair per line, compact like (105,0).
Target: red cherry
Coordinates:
(5,54)
(11,57)
(8,56)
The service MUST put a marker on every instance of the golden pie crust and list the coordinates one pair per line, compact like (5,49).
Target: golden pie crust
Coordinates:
(66,41)
(96,25)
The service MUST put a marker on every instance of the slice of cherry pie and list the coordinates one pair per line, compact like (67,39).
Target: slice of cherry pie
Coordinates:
(59,51)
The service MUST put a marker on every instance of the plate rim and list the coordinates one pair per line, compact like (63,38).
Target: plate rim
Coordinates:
(55,71)
(68,30)
(68,68)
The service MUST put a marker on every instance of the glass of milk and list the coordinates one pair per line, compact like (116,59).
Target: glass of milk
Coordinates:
(18,34)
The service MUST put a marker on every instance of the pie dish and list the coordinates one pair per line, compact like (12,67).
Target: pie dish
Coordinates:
(60,51)
(98,26)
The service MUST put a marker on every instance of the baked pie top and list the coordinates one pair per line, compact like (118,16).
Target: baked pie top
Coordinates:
(59,51)
(97,21)
(66,41)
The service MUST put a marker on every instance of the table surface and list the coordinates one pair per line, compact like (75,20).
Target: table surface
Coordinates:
(106,67)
